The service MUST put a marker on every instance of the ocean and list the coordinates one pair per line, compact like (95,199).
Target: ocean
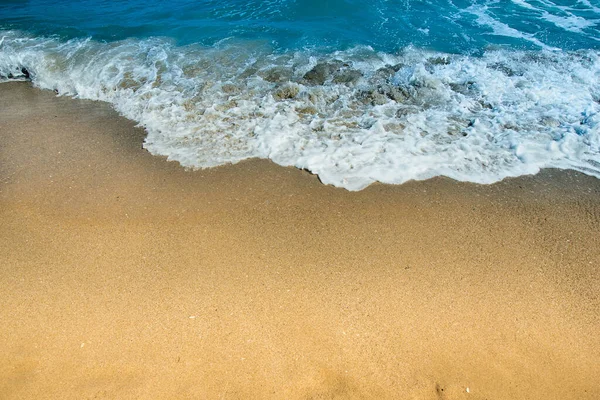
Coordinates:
(355,92)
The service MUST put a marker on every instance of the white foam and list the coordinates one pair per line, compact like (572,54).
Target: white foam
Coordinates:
(501,29)
(569,21)
(589,5)
(477,119)
(524,4)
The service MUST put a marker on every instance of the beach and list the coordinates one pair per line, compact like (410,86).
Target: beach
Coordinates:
(124,275)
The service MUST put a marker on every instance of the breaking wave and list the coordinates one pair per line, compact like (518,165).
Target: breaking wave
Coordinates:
(352,117)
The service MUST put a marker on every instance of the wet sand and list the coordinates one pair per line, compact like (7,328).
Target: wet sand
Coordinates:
(125,276)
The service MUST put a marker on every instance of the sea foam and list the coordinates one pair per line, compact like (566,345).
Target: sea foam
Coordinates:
(352,117)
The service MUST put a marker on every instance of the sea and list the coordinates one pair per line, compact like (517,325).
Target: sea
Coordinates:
(354,91)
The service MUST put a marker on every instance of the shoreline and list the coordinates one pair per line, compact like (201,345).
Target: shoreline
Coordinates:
(126,276)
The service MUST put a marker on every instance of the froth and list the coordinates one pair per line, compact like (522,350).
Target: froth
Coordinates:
(351,117)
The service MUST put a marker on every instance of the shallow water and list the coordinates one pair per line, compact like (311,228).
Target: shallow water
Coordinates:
(392,91)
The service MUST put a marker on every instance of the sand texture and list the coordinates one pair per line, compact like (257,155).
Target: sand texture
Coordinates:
(124,276)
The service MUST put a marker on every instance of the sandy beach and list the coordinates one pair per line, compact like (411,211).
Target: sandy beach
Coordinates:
(125,276)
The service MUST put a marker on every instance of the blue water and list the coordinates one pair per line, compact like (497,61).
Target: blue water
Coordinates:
(354,91)
(448,26)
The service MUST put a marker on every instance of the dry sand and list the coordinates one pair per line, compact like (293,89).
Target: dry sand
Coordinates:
(124,276)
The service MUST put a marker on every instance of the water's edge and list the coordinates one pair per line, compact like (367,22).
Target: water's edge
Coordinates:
(351,117)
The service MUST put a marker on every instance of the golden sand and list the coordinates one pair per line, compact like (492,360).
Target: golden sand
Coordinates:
(123,276)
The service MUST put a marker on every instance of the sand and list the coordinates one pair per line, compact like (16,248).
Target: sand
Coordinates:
(124,276)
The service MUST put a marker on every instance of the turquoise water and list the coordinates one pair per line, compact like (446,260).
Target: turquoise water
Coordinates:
(356,92)
(448,26)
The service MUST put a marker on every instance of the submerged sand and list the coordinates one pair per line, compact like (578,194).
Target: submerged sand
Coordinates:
(125,276)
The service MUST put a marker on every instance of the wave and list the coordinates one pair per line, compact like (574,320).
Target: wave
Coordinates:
(352,117)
